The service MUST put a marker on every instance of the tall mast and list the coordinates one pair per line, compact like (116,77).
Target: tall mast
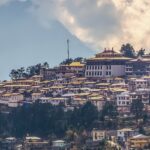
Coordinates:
(68,49)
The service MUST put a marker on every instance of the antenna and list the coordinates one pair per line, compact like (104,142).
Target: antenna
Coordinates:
(68,49)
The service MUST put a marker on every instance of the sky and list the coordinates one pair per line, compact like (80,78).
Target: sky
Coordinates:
(34,31)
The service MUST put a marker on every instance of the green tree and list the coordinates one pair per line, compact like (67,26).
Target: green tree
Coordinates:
(79,59)
(46,65)
(127,50)
(137,108)
(141,52)
(66,62)
(21,72)
(109,110)
(14,74)
(45,120)
(89,114)
(33,70)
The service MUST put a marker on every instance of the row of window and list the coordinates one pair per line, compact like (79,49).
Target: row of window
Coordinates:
(123,98)
(90,67)
(107,62)
(129,69)
(141,82)
(97,73)
(123,102)
(88,73)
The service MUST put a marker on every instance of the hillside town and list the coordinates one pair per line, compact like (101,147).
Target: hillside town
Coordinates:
(109,80)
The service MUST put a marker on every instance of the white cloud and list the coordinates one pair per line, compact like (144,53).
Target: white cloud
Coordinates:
(3,2)
(91,21)
(99,23)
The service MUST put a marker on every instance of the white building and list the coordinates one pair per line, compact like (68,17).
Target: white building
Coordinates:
(58,143)
(135,83)
(106,64)
(53,101)
(11,99)
(123,102)
(124,134)
(139,66)
(36,96)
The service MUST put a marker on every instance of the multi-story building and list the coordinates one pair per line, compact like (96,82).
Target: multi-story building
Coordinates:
(135,83)
(35,143)
(77,67)
(106,64)
(124,134)
(98,101)
(123,102)
(11,99)
(70,70)
(138,67)
(138,141)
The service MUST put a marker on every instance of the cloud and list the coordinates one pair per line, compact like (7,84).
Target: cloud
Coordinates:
(91,21)
(99,23)
(3,2)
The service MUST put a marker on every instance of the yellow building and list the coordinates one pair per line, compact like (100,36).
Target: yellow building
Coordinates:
(139,141)
(77,67)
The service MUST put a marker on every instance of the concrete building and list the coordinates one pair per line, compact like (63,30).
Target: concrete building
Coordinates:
(123,102)
(58,143)
(138,141)
(9,143)
(124,134)
(11,99)
(138,67)
(77,67)
(106,64)
(136,83)
(35,143)
(98,135)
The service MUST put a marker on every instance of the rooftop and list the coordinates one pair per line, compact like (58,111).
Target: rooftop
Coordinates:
(141,59)
(75,64)
(139,136)
(109,55)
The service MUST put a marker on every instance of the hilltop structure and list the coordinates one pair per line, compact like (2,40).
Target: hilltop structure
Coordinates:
(139,66)
(112,64)
(106,64)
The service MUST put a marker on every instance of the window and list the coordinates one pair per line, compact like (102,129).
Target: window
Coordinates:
(96,136)
(108,72)
(108,67)
(123,103)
